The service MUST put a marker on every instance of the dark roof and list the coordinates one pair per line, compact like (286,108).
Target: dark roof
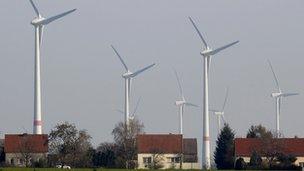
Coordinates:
(159,143)
(245,146)
(189,146)
(21,143)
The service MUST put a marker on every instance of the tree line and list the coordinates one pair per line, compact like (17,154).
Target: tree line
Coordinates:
(71,146)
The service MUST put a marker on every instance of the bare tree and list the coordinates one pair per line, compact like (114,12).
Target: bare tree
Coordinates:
(26,150)
(157,159)
(272,148)
(125,139)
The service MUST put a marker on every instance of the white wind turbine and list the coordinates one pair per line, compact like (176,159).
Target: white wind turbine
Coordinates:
(220,113)
(128,76)
(181,104)
(207,53)
(39,22)
(278,98)
(133,115)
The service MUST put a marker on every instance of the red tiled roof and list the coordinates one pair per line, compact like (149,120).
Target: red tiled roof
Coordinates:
(245,146)
(190,146)
(19,143)
(159,143)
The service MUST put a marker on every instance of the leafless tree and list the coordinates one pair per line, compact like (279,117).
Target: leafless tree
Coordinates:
(26,148)
(271,149)
(125,139)
(157,159)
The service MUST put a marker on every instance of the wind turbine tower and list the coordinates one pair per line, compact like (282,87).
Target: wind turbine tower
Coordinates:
(181,104)
(128,76)
(207,53)
(39,22)
(278,95)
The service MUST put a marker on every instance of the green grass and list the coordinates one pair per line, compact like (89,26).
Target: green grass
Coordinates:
(86,169)
(55,169)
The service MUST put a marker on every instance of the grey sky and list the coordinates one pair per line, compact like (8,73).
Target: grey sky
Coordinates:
(81,75)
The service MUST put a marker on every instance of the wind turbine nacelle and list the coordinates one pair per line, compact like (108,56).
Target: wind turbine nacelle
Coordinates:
(178,103)
(219,113)
(127,74)
(207,52)
(37,21)
(275,94)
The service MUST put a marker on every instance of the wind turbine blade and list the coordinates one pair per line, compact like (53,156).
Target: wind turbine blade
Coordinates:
(120,58)
(213,52)
(274,75)
(213,110)
(289,94)
(191,104)
(223,118)
(120,111)
(136,107)
(226,97)
(40,34)
(179,84)
(198,32)
(141,70)
(56,17)
(35,8)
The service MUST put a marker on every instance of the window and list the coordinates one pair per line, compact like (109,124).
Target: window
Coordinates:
(175,160)
(12,161)
(147,159)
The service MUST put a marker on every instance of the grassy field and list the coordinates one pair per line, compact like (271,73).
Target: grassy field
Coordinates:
(91,169)
(55,169)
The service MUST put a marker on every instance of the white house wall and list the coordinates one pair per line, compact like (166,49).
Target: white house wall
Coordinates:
(166,162)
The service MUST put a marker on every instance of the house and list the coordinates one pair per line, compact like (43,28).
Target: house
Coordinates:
(244,147)
(24,149)
(166,151)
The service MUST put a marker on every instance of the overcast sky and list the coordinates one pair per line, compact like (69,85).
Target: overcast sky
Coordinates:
(81,76)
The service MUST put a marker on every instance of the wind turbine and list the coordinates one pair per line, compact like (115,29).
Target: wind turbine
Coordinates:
(128,76)
(278,98)
(39,22)
(207,53)
(220,113)
(133,115)
(181,104)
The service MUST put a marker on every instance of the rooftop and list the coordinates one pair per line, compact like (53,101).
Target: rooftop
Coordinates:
(18,143)
(159,143)
(245,146)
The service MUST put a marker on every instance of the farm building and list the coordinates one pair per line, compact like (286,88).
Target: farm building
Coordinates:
(166,151)
(24,149)
(244,147)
